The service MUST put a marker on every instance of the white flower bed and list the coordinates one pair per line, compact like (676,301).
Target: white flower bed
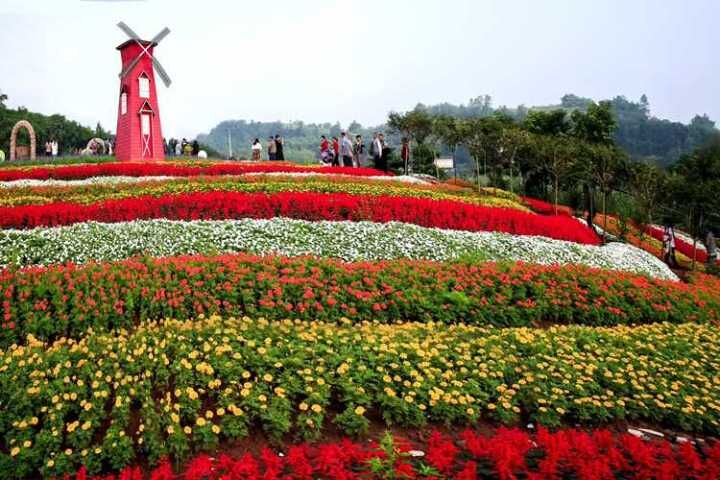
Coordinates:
(116,180)
(345,240)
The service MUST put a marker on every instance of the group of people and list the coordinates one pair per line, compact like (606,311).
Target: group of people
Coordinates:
(669,247)
(177,148)
(344,152)
(275,148)
(51,148)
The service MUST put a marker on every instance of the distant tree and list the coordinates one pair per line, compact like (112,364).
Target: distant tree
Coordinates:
(700,130)
(557,157)
(554,122)
(417,126)
(596,125)
(3,99)
(572,102)
(605,169)
(648,185)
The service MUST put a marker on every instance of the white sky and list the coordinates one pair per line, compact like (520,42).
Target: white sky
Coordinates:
(322,60)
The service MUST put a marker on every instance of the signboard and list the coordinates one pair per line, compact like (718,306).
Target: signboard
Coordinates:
(444,163)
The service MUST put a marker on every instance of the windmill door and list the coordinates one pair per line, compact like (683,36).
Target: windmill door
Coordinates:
(146,114)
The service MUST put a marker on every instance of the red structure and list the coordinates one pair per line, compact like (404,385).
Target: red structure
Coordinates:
(139,136)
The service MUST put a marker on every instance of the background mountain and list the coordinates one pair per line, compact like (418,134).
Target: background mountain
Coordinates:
(641,134)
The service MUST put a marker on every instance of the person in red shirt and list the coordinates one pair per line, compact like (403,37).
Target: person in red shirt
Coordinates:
(324,147)
(336,149)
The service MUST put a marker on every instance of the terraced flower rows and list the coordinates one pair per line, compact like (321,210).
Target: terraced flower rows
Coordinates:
(117,352)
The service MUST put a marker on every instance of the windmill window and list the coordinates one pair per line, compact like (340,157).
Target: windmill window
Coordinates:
(144,84)
(123,103)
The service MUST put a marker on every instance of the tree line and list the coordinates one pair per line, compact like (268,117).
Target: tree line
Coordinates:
(572,157)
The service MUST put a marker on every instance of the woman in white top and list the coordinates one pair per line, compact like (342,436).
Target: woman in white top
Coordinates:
(257,150)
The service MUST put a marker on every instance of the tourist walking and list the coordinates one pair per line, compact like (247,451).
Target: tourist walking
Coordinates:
(336,151)
(272,149)
(178,148)
(346,150)
(48,149)
(279,145)
(358,151)
(405,155)
(324,150)
(195,148)
(54,148)
(711,247)
(256,150)
(669,246)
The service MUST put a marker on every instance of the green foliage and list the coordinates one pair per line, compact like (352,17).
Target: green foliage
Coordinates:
(69,134)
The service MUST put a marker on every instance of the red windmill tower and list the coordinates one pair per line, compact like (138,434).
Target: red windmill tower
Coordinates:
(138,134)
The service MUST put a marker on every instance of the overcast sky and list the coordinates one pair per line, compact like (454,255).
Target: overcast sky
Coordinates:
(323,60)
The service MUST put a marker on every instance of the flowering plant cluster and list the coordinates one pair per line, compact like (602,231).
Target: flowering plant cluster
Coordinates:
(174,387)
(308,206)
(146,169)
(350,241)
(546,208)
(100,191)
(506,454)
(67,300)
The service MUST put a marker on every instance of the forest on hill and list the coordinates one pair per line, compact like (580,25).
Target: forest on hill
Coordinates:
(642,135)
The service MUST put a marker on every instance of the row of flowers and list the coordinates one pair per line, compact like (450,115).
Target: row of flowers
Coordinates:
(546,208)
(302,205)
(67,300)
(350,241)
(96,192)
(505,454)
(171,388)
(146,169)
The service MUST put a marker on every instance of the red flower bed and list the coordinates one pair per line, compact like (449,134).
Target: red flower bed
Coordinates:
(681,245)
(64,300)
(303,205)
(546,208)
(507,455)
(76,172)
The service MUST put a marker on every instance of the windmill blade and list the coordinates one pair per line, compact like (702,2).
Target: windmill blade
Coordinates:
(128,31)
(161,72)
(130,66)
(163,33)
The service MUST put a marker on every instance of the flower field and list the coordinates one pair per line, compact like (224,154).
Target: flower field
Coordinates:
(270,321)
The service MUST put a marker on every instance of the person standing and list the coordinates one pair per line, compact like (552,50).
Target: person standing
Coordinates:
(195,148)
(379,157)
(48,149)
(279,145)
(54,148)
(336,151)
(669,246)
(711,246)
(166,146)
(358,151)
(346,150)
(405,155)
(178,148)
(324,149)
(256,150)
(272,148)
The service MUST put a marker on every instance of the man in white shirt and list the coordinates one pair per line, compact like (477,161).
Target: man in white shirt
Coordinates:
(346,150)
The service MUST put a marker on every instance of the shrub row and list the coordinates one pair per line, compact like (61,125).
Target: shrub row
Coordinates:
(177,387)
(307,206)
(66,300)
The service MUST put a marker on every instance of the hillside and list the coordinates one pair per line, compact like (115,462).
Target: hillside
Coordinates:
(640,133)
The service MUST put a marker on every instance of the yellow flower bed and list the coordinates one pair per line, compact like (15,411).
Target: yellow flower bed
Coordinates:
(94,193)
(198,382)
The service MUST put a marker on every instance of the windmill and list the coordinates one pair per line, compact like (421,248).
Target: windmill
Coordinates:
(139,135)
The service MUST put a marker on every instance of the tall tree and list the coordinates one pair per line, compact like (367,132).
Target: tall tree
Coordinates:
(596,125)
